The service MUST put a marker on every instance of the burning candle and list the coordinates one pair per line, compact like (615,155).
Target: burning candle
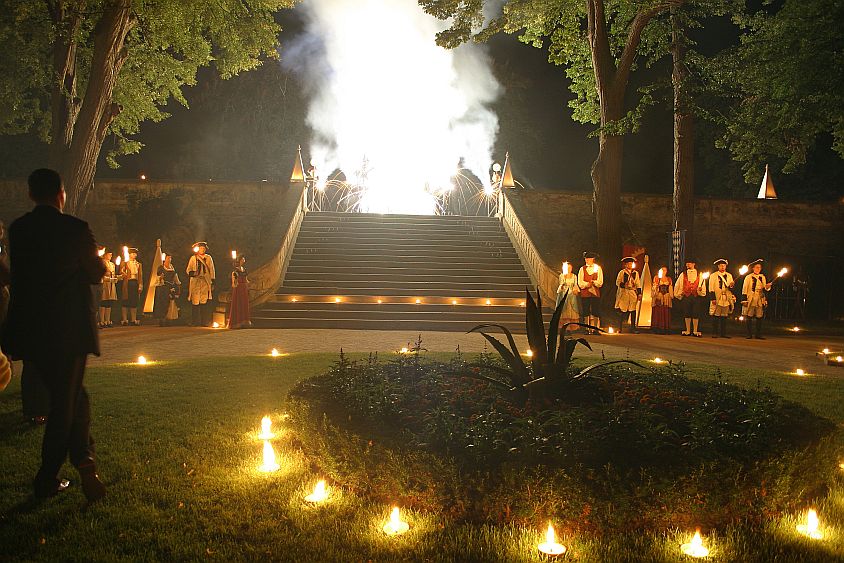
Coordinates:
(337,300)
(550,547)
(404,350)
(704,276)
(142,361)
(799,371)
(274,353)
(489,302)
(418,301)
(125,253)
(380,301)
(659,274)
(320,493)
(395,525)
(269,464)
(454,301)
(565,268)
(215,324)
(810,528)
(163,256)
(117,261)
(658,360)
(611,330)
(695,548)
(266,429)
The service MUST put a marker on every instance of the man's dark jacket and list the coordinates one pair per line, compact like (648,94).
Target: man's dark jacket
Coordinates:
(54,262)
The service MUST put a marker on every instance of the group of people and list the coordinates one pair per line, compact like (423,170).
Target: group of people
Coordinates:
(696,293)
(126,273)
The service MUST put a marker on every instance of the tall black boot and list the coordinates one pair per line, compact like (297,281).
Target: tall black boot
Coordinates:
(749,323)
(723,323)
(759,329)
(633,328)
(715,322)
(205,311)
(195,315)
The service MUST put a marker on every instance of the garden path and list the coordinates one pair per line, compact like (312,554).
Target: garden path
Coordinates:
(777,353)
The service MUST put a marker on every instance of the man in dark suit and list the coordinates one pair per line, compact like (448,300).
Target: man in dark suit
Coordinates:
(51,322)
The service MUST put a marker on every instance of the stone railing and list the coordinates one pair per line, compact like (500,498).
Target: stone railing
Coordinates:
(541,274)
(264,280)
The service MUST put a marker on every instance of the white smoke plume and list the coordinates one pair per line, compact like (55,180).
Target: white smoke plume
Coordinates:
(381,90)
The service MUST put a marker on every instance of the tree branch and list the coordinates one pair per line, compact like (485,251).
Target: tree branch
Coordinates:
(599,45)
(634,37)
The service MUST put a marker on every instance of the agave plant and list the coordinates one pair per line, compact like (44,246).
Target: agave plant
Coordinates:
(547,373)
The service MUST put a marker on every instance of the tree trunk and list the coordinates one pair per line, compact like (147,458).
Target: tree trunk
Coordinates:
(98,110)
(684,140)
(606,183)
(64,104)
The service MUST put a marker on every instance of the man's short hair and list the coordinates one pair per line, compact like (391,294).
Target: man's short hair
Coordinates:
(44,185)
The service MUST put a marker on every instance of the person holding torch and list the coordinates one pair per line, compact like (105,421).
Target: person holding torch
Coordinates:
(754,299)
(201,272)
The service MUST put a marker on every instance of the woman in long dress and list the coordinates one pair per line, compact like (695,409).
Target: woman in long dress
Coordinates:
(167,291)
(108,291)
(662,293)
(570,291)
(239,314)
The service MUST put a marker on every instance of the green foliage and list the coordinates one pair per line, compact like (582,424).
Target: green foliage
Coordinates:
(631,450)
(548,376)
(783,85)
(169,44)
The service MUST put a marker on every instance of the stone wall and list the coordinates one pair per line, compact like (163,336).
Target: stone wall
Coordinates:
(808,237)
(250,217)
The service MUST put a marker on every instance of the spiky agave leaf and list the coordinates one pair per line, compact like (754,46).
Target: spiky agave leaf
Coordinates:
(554,328)
(535,326)
(514,360)
(582,373)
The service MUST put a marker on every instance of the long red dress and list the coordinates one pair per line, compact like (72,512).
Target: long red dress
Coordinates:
(239,314)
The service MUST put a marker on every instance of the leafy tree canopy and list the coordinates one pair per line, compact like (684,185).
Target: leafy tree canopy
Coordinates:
(168,42)
(783,84)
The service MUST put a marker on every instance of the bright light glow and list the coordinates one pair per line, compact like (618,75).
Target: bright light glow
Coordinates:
(275,353)
(611,330)
(411,124)
(293,299)
(741,318)
(266,429)
(795,329)
(812,525)
(142,361)
(163,256)
(743,270)
(101,252)
(269,463)
(117,261)
(659,274)
(196,249)
(143,176)
(695,548)
(395,525)
(841,466)
(566,268)
(337,300)
(705,276)
(799,371)
(825,351)
(215,324)
(658,360)
(125,253)
(782,272)
(488,302)
(529,353)
(380,301)
(839,359)
(489,191)
(550,547)
(234,254)
(418,301)
(320,493)
(522,304)
(454,301)
(404,350)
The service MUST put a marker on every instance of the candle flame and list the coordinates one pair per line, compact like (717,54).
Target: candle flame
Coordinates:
(565,267)
(489,302)
(454,301)
(142,360)
(320,494)
(812,525)
(550,536)
(659,274)
(695,548)
(274,353)
(395,525)
(269,464)
(611,330)
(125,253)
(215,324)
(404,350)
(418,301)
(704,276)
(163,256)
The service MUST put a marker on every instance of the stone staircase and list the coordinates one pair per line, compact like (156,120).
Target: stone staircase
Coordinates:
(399,272)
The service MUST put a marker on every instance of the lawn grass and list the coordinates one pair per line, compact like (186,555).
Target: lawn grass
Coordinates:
(178,450)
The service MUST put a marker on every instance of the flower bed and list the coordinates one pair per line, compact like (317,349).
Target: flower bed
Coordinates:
(637,449)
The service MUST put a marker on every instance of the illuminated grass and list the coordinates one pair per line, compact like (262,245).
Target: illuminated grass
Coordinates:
(178,450)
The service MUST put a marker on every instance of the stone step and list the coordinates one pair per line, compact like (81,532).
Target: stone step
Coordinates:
(394,304)
(391,268)
(411,286)
(380,219)
(259,321)
(378,279)
(464,293)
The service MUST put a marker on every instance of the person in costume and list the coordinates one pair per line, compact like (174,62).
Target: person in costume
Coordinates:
(662,297)
(201,272)
(108,290)
(721,298)
(167,291)
(753,299)
(569,290)
(133,274)
(239,314)
(628,293)
(590,278)
(688,290)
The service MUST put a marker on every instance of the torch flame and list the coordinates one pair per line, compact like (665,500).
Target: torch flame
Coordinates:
(659,274)
(270,464)
(101,252)
(529,353)
(117,261)
(565,267)
(743,270)
(705,276)
(810,528)
(782,272)
(196,248)
(234,254)
(125,253)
